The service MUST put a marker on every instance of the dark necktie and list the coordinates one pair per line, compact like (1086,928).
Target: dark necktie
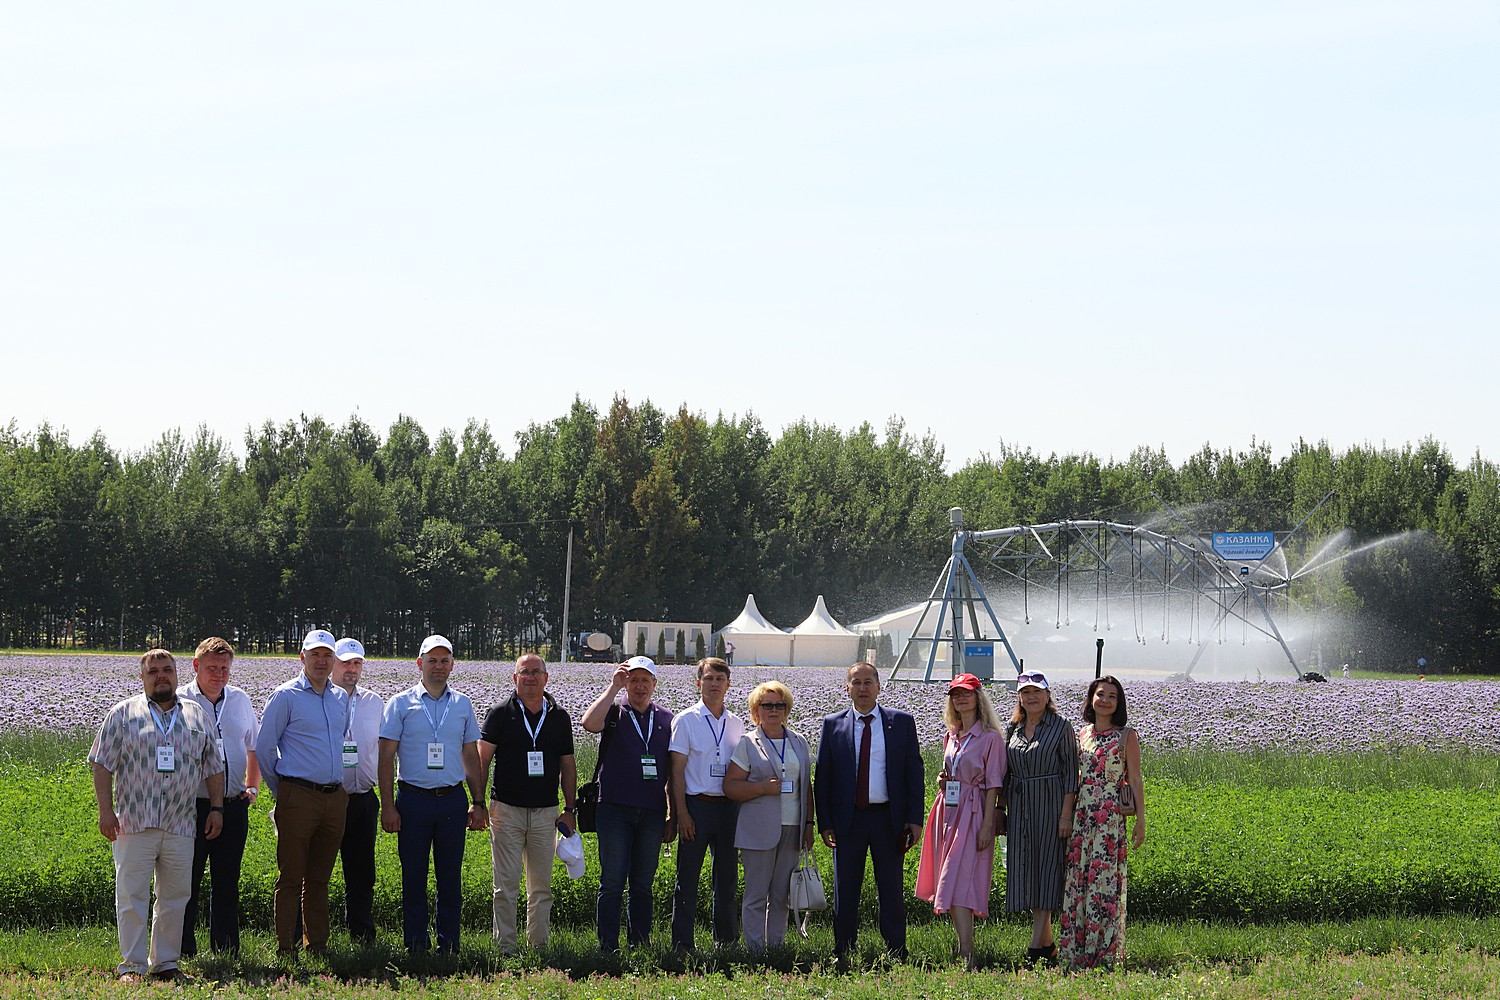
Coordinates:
(862,775)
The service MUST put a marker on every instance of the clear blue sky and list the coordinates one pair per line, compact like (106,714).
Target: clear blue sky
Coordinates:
(1068,226)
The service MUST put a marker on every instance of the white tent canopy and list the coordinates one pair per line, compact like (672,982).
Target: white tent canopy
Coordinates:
(756,641)
(820,641)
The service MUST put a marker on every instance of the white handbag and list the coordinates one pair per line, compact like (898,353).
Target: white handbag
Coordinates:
(806,891)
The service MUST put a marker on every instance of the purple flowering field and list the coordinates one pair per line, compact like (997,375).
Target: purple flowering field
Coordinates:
(71,693)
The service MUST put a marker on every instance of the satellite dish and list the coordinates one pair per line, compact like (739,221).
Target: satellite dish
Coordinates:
(598,641)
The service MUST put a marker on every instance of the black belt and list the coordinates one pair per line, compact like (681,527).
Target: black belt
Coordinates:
(706,795)
(407,786)
(337,786)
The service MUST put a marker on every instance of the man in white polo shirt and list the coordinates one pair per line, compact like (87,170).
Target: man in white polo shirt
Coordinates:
(234,730)
(703,738)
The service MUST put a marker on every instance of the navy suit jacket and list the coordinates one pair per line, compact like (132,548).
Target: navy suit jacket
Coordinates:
(833,791)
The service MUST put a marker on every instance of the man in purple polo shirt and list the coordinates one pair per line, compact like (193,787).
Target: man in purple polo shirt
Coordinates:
(635,777)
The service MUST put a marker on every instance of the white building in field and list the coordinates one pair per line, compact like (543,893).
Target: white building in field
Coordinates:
(651,638)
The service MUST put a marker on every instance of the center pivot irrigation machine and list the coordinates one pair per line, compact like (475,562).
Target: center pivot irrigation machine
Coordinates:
(1207,580)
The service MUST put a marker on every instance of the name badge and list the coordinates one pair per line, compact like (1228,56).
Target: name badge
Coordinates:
(533,763)
(219,746)
(434,756)
(717,770)
(950,792)
(351,754)
(788,786)
(648,767)
(166,759)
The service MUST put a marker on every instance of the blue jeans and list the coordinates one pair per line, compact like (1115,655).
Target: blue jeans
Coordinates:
(431,826)
(629,849)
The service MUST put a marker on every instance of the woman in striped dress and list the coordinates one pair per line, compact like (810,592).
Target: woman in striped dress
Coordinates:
(1041,785)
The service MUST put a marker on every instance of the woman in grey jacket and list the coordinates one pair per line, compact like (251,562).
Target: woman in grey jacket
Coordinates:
(770,775)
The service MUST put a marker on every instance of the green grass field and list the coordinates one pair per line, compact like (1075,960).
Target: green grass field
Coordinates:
(1232,836)
(1266,874)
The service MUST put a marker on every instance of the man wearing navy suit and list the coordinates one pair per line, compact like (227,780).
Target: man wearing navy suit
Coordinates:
(869,793)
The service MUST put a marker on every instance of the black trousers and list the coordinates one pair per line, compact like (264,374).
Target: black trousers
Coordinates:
(222,857)
(358,854)
(872,834)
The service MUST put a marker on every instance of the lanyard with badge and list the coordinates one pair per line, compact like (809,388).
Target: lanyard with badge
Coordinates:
(218,707)
(435,748)
(787,785)
(648,759)
(534,755)
(166,756)
(953,786)
(351,746)
(718,768)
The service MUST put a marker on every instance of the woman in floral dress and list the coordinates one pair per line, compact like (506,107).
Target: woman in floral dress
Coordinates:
(1091,927)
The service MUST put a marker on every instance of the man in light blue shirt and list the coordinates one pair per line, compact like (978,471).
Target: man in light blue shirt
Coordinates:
(300,749)
(362,821)
(429,733)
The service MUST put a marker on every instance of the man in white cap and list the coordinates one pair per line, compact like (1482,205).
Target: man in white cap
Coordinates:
(301,753)
(430,735)
(149,758)
(635,781)
(362,819)
(234,731)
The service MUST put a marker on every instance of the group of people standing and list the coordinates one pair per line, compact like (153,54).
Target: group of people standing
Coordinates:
(177,768)
(1059,798)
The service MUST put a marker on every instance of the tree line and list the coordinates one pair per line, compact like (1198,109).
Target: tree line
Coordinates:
(671,516)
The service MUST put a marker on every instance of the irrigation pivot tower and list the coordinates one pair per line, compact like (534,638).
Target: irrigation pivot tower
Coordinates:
(1109,562)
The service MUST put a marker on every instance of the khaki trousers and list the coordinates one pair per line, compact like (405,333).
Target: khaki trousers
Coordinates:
(139,856)
(309,830)
(521,836)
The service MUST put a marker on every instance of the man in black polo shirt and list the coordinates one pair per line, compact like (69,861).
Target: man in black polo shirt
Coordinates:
(531,741)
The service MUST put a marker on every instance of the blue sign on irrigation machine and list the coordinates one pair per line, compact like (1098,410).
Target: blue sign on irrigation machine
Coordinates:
(1244,546)
(979,658)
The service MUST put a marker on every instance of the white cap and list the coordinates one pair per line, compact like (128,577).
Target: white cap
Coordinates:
(349,649)
(641,663)
(318,639)
(570,853)
(432,642)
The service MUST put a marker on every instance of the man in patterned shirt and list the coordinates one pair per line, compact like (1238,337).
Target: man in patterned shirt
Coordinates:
(150,756)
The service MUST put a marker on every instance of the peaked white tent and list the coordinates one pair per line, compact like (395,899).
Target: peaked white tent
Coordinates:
(820,641)
(756,641)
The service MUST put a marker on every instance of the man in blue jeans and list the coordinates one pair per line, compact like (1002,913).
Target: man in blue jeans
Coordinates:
(632,819)
(430,734)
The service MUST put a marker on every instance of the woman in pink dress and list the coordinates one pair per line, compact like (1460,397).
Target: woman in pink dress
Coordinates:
(958,844)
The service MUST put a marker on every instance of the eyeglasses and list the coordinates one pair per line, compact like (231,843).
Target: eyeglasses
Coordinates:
(773,706)
(531,673)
